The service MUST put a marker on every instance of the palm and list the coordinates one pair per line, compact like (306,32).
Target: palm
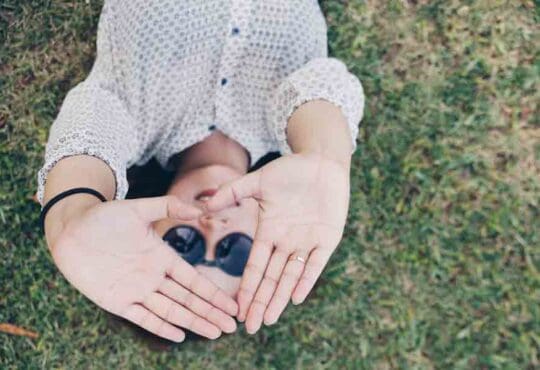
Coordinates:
(303,201)
(113,256)
(106,271)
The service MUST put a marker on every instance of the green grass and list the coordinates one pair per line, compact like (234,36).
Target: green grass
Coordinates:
(439,267)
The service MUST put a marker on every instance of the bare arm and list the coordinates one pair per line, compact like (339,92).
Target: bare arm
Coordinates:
(72,172)
(320,127)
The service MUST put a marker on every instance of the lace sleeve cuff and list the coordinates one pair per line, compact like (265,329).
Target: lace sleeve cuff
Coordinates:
(320,78)
(67,149)
(92,121)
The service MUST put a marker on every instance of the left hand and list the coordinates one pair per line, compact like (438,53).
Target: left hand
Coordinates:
(303,201)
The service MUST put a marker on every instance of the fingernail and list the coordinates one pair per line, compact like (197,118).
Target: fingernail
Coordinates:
(233,309)
(257,326)
(231,328)
(217,335)
(179,339)
(251,331)
(269,322)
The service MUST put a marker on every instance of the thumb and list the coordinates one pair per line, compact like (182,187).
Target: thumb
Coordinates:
(231,193)
(167,206)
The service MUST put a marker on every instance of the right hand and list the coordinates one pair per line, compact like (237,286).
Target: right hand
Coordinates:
(111,253)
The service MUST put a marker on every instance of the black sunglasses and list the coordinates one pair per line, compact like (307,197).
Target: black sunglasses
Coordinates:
(232,251)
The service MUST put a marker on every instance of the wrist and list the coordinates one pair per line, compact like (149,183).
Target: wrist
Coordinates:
(320,156)
(328,155)
(65,210)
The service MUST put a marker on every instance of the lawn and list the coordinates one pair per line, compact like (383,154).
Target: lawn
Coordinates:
(439,266)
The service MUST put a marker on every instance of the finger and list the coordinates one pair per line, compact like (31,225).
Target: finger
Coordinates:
(197,305)
(287,282)
(313,269)
(184,274)
(266,290)
(253,273)
(172,312)
(147,320)
(167,206)
(231,193)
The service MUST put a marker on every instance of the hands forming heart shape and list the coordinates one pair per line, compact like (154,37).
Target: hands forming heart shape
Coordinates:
(113,256)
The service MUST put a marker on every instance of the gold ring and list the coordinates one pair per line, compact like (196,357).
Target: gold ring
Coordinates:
(298,258)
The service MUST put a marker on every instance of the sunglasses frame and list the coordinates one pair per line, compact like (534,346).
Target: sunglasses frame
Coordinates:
(203,261)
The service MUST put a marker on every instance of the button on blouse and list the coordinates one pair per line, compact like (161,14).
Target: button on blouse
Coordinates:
(167,73)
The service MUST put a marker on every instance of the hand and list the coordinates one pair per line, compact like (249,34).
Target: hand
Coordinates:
(112,255)
(303,202)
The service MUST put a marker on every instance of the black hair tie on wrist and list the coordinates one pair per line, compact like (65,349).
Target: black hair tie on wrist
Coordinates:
(63,195)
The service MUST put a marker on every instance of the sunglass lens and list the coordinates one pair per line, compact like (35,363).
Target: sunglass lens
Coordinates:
(232,253)
(187,241)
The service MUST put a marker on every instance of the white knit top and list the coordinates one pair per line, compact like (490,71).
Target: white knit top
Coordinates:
(167,73)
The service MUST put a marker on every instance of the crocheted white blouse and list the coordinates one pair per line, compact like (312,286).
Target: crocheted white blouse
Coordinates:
(167,73)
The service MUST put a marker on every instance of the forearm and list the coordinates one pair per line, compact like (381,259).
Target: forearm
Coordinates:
(72,172)
(319,126)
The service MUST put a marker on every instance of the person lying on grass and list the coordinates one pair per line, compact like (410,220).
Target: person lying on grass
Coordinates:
(208,91)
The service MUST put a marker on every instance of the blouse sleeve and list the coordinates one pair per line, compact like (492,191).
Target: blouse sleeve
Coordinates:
(320,78)
(93,120)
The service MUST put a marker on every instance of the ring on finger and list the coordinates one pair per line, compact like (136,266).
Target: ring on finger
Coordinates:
(296,257)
